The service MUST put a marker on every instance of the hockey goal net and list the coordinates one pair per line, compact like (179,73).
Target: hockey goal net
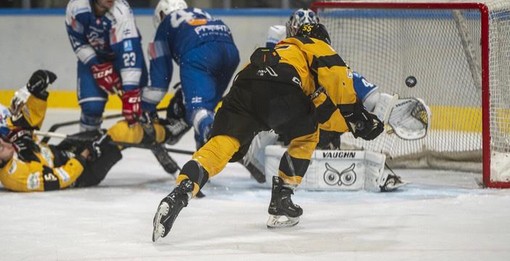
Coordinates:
(459,52)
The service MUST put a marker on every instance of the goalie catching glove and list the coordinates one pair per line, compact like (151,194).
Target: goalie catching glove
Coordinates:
(106,77)
(360,122)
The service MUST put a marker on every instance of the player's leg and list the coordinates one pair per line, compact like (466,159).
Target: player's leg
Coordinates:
(292,116)
(208,161)
(205,75)
(151,97)
(200,99)
(91,100)
(293,166)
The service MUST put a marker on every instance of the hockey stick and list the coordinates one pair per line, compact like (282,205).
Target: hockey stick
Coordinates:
(56,126)
(123,144)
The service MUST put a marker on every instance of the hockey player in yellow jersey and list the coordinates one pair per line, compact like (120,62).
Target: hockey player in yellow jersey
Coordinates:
(292,89)
(81,160)
(24,164)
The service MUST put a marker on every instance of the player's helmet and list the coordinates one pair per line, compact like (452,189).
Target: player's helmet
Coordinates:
(299,18)
(165,7)
(4,114)
(317,31)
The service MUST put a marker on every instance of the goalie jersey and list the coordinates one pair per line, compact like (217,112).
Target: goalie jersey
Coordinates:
(113,37)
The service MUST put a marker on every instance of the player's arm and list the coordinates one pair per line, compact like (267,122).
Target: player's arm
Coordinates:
(336,78)
(161,67)
(126,43)
(28,106)
(76,21)
(21,176)
(275,34)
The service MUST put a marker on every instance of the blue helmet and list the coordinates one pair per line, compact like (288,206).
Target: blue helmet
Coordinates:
(4,114)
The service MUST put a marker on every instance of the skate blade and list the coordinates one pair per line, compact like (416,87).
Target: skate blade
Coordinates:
(275,221)
(393,187)
(159,229)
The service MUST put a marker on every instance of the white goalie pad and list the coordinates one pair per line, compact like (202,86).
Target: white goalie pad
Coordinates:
(347,170)
(410,118)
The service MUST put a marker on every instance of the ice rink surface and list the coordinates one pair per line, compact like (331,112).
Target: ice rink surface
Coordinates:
(438,216)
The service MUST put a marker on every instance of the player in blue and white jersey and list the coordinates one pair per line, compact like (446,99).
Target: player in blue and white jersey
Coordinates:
(104,37)
(204,50)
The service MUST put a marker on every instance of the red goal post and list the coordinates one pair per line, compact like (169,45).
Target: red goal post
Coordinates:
(459,52)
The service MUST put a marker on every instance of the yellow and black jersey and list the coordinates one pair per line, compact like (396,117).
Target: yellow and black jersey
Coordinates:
(43,175)
(32,114)
(319,66)
(45,172)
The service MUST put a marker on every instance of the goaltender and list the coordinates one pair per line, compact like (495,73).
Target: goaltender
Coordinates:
(81,160)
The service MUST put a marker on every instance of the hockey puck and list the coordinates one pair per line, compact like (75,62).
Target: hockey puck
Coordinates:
(411,81)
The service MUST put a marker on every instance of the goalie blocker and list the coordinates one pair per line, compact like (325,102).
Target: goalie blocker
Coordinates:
(347,170)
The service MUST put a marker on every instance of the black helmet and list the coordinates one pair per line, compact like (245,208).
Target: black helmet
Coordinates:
(317,31)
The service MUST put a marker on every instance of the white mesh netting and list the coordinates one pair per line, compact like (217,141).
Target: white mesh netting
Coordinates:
(440,43)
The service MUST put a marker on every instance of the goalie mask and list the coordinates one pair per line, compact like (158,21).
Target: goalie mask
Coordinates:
(165,7)
(299,18)
(317,31)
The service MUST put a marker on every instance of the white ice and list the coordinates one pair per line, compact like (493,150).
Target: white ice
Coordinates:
(438,216)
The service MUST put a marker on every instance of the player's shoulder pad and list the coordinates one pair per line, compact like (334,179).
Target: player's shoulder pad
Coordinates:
(276,33)
(76,7)
(122,11)
(277,30)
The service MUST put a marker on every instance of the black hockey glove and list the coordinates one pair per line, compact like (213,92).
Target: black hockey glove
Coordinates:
(39,81)
(24,144)
(329,140)
(96,147)
(361,122)
(176,109)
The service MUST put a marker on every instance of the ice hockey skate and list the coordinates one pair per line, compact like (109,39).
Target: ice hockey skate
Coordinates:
(393,182)
(169,209)
(282,211)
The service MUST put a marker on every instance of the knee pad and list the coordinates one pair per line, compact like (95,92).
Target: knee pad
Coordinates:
(91,115)
(202,120)
(151,96)
(90,123)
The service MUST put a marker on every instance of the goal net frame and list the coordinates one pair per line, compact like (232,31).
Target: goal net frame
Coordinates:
(480,75)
